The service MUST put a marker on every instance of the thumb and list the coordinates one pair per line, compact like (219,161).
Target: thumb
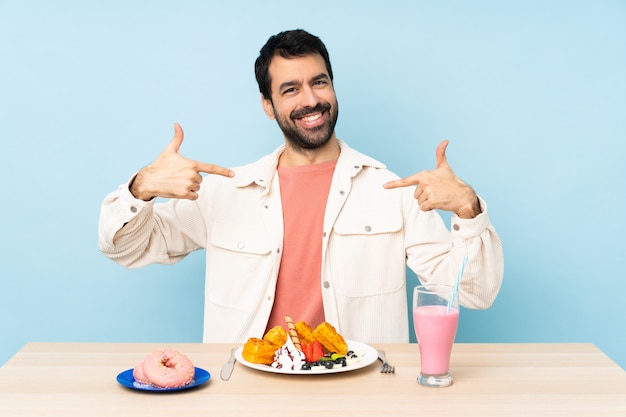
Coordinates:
(177,140)
(441,154)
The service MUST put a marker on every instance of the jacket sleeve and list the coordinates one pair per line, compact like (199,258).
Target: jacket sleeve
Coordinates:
(435,253)
(136,233)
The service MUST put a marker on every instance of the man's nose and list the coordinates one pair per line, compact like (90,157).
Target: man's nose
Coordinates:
(308,98)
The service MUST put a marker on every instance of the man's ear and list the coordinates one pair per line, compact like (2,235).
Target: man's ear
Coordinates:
(267,107)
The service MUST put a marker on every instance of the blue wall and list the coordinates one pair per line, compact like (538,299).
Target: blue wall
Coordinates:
(531,94)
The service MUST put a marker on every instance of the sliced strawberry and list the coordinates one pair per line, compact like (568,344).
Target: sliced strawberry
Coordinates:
(317,351)
(307,349)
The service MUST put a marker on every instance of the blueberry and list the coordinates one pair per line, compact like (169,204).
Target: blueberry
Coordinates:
(329,364)
(306,367)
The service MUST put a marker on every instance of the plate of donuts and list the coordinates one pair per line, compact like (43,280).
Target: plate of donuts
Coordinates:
(127,379)
(363,356)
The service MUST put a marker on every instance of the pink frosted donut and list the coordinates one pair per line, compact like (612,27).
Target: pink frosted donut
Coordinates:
(139,375)
(167,368)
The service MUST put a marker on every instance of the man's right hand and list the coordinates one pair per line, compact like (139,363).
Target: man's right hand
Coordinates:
(172,175)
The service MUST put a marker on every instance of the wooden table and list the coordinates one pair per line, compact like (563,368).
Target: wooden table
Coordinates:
(79,379)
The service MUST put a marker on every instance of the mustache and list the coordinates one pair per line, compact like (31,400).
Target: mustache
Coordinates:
(319,108)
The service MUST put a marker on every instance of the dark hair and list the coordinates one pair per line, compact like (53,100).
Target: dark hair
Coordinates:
(288,44)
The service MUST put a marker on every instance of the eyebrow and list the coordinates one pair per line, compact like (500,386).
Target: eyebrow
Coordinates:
(289,84)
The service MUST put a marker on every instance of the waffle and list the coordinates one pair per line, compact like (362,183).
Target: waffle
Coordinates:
(330,339)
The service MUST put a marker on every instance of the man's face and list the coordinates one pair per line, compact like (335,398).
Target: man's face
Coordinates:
(303,100)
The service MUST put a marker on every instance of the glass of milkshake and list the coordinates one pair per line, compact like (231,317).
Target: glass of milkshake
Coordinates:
(435,320)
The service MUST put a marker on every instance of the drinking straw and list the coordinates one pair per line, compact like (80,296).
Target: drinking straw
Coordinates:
(456,285)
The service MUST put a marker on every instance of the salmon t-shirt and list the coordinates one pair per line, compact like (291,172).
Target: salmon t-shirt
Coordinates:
(304,191)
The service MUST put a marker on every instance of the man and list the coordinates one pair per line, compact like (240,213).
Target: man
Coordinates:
(316,229)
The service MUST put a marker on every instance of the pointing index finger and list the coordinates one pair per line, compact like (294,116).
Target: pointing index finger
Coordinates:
(403,182)
(214,169)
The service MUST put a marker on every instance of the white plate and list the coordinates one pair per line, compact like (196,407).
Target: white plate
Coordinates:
(369,357)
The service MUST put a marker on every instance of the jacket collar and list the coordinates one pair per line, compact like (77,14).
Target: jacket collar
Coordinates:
(262,171)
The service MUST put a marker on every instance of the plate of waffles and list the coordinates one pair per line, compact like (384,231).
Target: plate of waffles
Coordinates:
(360,355)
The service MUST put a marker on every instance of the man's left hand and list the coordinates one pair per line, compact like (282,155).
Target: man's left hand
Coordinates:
(441,188)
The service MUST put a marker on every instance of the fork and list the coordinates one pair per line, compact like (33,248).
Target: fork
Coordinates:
(385,368)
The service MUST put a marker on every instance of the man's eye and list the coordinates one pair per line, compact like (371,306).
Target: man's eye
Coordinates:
(320,82)
(289,90)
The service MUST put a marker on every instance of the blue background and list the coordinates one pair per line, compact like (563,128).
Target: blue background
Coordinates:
(531,94)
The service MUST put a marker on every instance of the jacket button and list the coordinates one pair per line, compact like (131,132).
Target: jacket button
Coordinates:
(368,228)
(456,227)
(133,209)
(241,245)
(342,192)
(326,284)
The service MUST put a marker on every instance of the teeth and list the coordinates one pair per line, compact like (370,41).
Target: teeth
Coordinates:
(311,118)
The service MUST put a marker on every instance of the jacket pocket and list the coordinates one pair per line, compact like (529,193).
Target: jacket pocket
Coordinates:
(239,264)
(240,238)
(367,255)
(368,222)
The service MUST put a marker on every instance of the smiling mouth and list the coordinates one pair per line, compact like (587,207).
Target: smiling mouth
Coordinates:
(310,114)
(310,118)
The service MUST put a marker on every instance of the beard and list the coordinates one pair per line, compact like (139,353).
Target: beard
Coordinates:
(313,138)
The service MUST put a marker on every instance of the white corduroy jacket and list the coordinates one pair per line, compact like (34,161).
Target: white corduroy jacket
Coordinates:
(370,235)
